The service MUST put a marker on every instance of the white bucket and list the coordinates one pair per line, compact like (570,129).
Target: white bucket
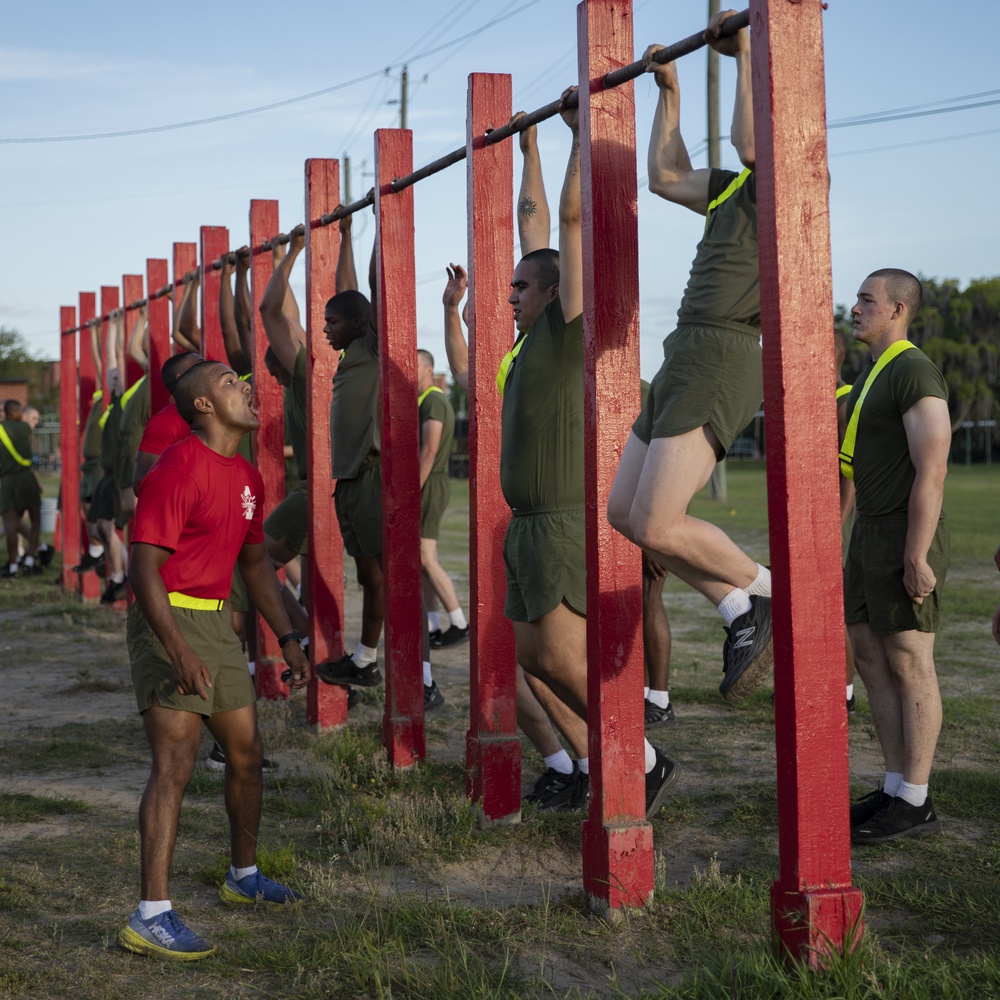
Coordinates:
(49,505)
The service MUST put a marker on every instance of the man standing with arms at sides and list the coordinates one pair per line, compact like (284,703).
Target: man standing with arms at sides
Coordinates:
(19,489)
(437,432)
(895,448)
(710,384)
(200,510)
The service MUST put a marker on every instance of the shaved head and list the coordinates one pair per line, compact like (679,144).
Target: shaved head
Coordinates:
(195,383)
(177,366)
(901,286)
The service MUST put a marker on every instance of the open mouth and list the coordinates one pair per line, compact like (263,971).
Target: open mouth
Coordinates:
(252,404)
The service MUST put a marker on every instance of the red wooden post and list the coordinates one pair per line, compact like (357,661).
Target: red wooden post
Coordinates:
(185,259)
(131,292)
(269,438)
(90,584)
(617,840)
(326,704)
(403,723)
(158,317)
(493,749)
(814,907)
(69,447)
(213,243)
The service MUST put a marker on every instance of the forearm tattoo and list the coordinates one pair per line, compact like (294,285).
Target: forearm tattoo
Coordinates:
(527,207)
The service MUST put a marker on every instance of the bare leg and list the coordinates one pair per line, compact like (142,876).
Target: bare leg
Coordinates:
(434,572)
(239,737)
(10,521)
(173,738)
(572,727)
(554,649)
(533,721)
(883,696)
(655,626)
(849,654)
(911,660)
(372,606)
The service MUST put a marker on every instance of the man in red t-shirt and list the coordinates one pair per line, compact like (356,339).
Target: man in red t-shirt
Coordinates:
(201,508)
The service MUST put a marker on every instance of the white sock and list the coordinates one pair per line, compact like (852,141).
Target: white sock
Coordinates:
(96,550)
(650,755)
(29,561)
(117,577)
(13,567)
(645,692)
(433,621)
(584,765)
(850,691)
(252,667)
(893,779)
(44,547)
(762,582)
(153,907)
(734,604)
(428,676)
(559,762)
(916,795)
(458,618)
(364,655)
(239,873)
(661,699)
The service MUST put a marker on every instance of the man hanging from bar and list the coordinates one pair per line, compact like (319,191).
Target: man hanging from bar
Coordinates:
(135,415)
(710,384)
(541,470)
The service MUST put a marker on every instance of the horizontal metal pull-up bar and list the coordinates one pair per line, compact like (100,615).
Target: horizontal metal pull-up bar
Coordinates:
(615,78)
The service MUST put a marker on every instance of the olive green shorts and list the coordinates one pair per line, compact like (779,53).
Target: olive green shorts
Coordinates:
(210,635)
(710,376)
(90,476)
(238,601)
(546,557)
(20,492)
(434,499)
(873,578)
(289,521)
(358,503)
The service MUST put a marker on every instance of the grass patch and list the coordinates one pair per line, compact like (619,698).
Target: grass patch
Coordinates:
(19,807)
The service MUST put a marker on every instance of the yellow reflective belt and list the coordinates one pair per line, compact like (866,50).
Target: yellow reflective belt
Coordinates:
(508,360)
(9,445)
(427,392)
(131,391)
(851,434)
(734,186)
(843,391)
(97,395)
(179,600)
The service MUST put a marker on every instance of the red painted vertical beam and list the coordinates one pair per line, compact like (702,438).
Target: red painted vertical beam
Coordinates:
(814,908)
(326,704)
(213,243)
(403,723)
(185,260)
(617,840)
(131,292)
(493,749)
(158,316)
(90,584)
(269,437)
(69,447)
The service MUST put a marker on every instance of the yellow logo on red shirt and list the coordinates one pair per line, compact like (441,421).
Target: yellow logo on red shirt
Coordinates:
(249,502)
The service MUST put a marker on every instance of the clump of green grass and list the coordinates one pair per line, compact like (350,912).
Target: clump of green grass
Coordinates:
(19,807)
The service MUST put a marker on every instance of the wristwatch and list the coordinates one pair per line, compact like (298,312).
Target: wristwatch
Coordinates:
(293,636)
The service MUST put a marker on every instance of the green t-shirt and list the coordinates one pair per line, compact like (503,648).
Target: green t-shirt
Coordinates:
(92,429)
(541,434)
(20,437)
(134,418)
(883,472)
(109,436)
(724,283)
(295,413)
(354,419)
(437,406)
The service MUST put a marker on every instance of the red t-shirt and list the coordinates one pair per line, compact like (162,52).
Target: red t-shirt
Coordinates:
(203,507)
(165,428)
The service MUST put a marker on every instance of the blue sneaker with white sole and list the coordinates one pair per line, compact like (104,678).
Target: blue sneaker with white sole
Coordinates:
(256,888)
(164,936)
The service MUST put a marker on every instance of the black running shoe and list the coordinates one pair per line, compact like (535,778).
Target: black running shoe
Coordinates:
(432,696)
(452,637)
(35,569)
(88,562)
(216,761)
(346,672)
(8,573)
(660,782)
(434,636)
(747,657)
(555,790)
(864,809)
(656,716)
(353,697)
(45,554)
(113,592)
(852,704)
(897,819)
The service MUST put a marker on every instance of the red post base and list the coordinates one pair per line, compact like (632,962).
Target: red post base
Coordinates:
(403,740)
(617,866)
(813,926)
(491,761)
(326,705)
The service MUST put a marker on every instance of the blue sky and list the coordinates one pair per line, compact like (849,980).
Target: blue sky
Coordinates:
(910,193)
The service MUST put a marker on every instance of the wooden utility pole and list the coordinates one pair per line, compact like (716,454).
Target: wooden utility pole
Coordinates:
(404,80)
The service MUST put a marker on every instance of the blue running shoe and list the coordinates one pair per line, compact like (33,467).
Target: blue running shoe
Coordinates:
(164,936)
(256,888)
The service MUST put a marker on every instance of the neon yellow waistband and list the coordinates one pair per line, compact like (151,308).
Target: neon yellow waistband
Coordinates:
(179,600)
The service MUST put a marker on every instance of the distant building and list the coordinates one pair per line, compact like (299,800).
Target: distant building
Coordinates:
(14,388)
